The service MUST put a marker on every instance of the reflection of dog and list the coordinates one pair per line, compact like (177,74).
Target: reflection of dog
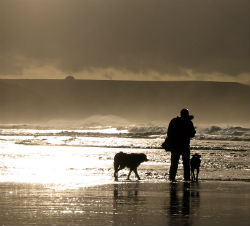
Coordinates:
(131,161)
(195,164)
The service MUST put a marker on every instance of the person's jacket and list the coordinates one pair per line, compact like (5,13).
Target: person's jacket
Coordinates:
(180,131)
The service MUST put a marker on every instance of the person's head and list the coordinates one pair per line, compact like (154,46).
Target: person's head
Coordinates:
(185,114)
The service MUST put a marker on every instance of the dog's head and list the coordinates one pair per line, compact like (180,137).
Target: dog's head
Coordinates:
(196,156)
(143,157)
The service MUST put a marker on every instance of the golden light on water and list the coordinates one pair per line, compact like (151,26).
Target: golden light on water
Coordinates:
(73,159)
(54,165)
(61,158)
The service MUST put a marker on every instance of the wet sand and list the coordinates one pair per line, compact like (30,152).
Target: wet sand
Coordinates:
(127,203)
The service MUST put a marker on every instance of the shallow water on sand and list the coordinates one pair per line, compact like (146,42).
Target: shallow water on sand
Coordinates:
(84,166)
(133,203)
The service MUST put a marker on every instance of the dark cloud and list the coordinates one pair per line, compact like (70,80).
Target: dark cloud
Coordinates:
(164,36)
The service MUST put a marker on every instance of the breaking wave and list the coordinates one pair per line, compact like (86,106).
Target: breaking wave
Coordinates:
(231,133)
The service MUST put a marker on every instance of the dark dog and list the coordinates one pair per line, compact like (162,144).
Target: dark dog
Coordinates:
(195,164)
(131,161)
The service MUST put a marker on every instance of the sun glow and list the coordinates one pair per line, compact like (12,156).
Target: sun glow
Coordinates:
(64,166)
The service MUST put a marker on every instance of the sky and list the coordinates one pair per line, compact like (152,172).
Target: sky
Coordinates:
(161,40)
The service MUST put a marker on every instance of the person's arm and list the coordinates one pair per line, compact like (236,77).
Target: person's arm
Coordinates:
(192,130)
(170,129)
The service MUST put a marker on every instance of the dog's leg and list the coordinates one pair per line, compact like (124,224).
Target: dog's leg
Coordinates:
(116,168)
(116,175)
(136,174)
(130,170)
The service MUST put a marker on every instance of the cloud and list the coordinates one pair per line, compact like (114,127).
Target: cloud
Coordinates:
(158,39)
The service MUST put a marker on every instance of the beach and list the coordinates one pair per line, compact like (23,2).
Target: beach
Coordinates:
(126,203)
(104,106)
(51,176)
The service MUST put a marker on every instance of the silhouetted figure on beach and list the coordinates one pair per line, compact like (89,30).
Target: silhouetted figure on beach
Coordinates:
(180,131)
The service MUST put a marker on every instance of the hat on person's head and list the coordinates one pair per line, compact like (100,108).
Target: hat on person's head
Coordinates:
(184,112)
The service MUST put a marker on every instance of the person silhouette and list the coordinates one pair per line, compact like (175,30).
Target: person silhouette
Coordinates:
(179,133)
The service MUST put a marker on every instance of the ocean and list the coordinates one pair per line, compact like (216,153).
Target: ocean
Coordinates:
(70,155)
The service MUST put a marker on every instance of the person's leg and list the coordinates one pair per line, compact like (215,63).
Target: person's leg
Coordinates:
(197,175)
(175,156)
(186,164)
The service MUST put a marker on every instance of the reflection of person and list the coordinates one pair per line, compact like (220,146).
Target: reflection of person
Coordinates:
(180,131)
(183,203)
(175,206)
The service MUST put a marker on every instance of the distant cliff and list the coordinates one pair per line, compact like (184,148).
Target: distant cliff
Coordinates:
(40,100)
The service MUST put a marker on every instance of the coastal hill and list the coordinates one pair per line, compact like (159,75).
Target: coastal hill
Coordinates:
(36,100)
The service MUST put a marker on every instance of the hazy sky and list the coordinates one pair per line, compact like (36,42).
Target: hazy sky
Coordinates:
(125,39)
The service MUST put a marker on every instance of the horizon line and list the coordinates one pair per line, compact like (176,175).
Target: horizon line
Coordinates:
(124,80)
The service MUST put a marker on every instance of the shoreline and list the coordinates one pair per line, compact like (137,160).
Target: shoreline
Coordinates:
(121,180)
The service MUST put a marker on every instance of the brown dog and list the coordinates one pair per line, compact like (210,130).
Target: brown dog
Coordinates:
(195,164)
(131,161)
